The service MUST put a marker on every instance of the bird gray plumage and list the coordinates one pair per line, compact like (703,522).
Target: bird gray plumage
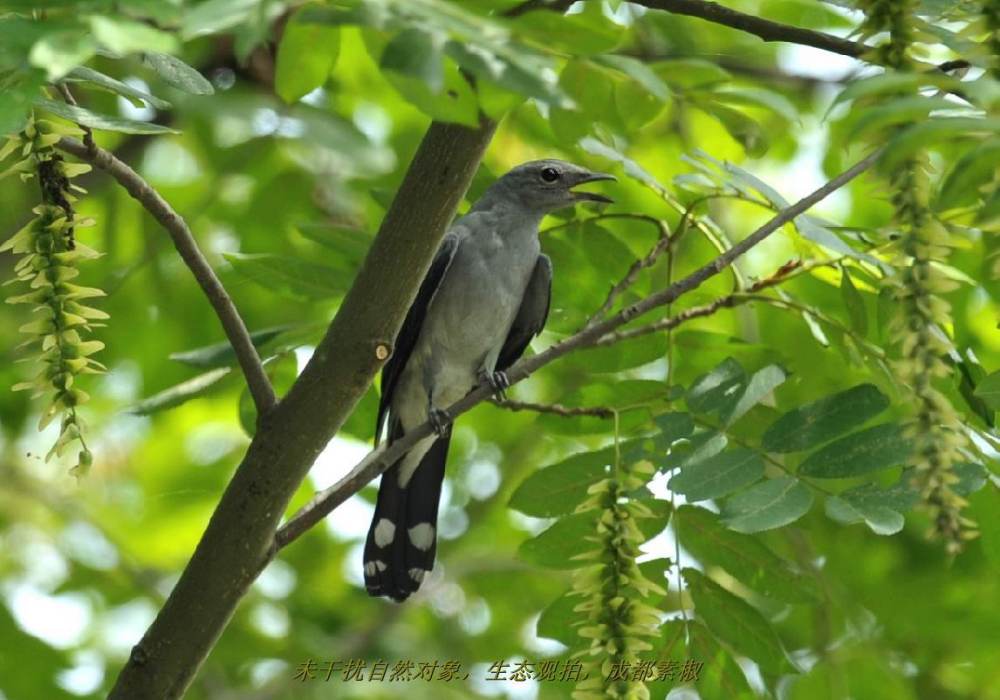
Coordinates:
(485,296)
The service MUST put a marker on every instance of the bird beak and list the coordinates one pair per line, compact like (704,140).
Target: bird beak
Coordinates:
(593,196)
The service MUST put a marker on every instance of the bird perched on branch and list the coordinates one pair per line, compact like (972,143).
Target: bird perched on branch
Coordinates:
(485,296)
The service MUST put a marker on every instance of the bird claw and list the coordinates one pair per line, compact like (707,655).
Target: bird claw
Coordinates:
(497,381)
(440,420)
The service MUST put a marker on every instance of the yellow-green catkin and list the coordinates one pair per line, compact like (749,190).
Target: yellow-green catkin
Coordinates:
(616,620)
(49,255)
(934,430)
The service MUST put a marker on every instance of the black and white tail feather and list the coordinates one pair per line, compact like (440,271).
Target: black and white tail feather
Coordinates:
(402,540)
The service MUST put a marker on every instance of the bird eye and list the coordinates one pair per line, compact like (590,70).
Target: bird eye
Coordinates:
(550,174)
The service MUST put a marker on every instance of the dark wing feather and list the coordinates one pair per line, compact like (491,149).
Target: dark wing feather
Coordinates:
(412,324)
(531,316)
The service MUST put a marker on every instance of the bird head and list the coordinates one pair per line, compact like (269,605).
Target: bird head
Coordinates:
(547,185)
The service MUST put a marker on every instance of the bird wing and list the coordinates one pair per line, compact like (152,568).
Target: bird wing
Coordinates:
(531,316)
(412,324)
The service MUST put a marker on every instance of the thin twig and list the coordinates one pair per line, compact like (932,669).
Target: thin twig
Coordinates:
(88,134)
(728,301)
(232,323)
(381,458)
(555,408)
(559,6)
(662,245)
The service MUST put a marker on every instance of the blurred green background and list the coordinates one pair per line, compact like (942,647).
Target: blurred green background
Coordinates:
(283,201)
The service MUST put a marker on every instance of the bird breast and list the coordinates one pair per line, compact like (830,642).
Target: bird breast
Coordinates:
(480,295)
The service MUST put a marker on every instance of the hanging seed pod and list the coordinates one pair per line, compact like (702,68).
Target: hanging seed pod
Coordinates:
(49,255)
(616,621)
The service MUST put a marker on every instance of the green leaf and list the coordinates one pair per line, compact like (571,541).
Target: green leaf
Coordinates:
(728,392)
(457,102)
(701,446)
(621,356)
(736,622)
(15,102)
(125,36)
(971,478)
(717,391)
(820,421)
(759,97)
(866,451)
(902,110)
(555,547)
(306,56)
(580,34)
(988,215)
(60,52)
(928,132)
(222,354)
(901,496)
(214,16)
(746,558)
(101,121)
(293,277)
(742,127)
(592,89)
(882,520)
(691,72)
(89,75)
(719,475)
(180,393)
(989,390)
(177,73)
(638,71)
(969,173)
(722,678)
(761,384)
(767,505)
(558,489)
(986,512)
(558,619)
(673,427)
(854,303)
(418,54)
(895,82)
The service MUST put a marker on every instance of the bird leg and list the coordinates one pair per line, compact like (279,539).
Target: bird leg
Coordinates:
(440,420)
(497,381)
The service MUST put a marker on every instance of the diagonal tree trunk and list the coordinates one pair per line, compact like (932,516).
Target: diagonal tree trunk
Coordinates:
(239,536)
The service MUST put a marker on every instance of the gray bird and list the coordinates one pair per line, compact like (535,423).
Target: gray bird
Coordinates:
(485,296)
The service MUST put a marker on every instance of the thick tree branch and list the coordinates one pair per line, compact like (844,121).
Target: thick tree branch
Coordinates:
(379,460)
(239,538)
(766,29)
(232,322)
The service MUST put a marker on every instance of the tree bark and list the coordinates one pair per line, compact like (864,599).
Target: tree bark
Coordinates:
(239,538)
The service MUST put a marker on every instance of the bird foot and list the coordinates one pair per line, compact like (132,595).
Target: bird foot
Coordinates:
(497,381)
(440,420)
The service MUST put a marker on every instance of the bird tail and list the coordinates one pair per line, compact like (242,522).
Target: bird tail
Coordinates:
(402,539)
